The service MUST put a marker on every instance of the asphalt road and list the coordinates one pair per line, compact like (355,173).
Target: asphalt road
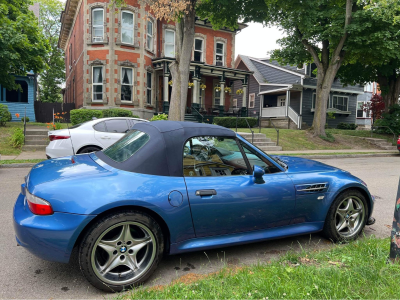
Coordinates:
(25,276)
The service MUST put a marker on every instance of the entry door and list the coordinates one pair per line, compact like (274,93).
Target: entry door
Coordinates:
(281,101)
(225,200)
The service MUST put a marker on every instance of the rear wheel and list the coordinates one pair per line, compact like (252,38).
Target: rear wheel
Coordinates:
(121,251)
(89,149)
(346,217)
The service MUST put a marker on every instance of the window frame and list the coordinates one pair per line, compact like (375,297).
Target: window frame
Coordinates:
(149,90)
(132,85)
(223,52)
(98,26)
(168,44)
(133,26)
(366,115)
(338,96)
(252,101)
(219,98)
(102,83)
(70,55)
(150,46)
(234,103)
(201,51)
(328,105)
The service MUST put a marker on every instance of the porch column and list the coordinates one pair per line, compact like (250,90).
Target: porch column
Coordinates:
(166,77)
(244,95)
(287,102)
(222,98)
(195,92)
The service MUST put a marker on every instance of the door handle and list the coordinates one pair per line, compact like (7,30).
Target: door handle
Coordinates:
(105,137)
(202,193)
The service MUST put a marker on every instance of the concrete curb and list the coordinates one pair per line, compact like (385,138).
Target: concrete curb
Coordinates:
(11,166)
(347,156)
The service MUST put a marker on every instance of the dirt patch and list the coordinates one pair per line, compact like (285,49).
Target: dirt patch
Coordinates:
(341,142)
(190,278)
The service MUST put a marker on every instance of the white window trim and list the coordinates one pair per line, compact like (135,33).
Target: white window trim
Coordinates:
(133,26)
(152,36)
(93,26)
(149,88)
(364,112)
(254,100)
(331,102)
(216,83)
(202,48)
(101,83)
(278,100)
(224,42)
(165,42)
(223,52)
(132,86)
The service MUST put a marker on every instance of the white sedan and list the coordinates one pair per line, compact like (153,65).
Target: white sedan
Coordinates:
(89,136)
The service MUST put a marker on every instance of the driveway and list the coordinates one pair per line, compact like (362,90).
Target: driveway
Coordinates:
(25,276)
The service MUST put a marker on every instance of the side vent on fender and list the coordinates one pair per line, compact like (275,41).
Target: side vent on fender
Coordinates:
(312,188)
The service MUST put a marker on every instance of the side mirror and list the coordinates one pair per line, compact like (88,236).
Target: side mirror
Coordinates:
(258,174)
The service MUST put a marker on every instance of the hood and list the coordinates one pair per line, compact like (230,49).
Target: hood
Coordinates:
(63,168)
(298,164)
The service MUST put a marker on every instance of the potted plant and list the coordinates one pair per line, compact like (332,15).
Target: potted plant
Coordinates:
(239,92)
(227,89)
(190,85)
(217,88)
(203,86)
(170,82)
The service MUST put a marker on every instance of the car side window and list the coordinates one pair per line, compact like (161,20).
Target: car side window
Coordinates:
(255,159)
(101,126)
(213,156)
(117,126)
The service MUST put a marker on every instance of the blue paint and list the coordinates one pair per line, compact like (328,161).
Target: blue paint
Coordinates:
(19,107)
(242,211)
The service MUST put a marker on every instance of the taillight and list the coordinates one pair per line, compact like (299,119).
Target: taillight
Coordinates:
(53,137)
(38,206)
(398,141)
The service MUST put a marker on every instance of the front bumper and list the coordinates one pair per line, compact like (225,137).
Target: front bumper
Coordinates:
(48,237)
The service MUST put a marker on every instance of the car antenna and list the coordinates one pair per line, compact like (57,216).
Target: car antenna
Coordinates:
(70,136)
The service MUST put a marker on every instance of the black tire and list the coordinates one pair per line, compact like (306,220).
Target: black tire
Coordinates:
(96,232)
(89,149)
(333,218)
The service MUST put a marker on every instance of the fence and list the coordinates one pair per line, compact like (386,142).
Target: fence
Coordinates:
(44,110)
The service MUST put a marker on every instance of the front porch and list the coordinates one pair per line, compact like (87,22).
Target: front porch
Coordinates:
(283,103)
(211,93)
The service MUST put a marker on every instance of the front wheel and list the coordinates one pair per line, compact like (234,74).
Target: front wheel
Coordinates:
(346,217)
(121,251)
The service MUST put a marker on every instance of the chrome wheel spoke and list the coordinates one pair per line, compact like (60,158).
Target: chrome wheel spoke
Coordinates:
(111,263)
(107,247)
(139,244)
(126,233)
(131,262)
(349,216)
(342,225)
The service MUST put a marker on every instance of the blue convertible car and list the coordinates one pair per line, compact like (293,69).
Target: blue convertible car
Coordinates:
(172,187)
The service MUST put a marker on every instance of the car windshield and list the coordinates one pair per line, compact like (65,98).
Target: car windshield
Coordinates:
(127,146)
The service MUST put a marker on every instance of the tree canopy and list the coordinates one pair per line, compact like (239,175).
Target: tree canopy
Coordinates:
(23,47)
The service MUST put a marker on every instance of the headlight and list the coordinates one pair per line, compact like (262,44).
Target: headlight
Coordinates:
(37,205)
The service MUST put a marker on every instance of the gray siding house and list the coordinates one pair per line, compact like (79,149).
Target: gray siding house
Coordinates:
(288,93)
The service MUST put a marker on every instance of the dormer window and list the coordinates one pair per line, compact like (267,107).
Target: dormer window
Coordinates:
(198,50)
(219,54)
(97,25)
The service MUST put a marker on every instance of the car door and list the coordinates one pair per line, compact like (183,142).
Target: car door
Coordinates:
(110,131)
(224,198)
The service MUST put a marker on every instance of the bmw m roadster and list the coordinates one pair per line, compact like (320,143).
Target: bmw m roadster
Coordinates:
(172,187)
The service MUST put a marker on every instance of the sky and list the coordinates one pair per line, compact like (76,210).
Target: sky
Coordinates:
(257,40)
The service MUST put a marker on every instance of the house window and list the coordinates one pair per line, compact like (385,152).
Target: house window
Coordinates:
(126,84)
(150,45)
(217,97)
(169,45)
(234,103)
(127,27)
(368,87)
(252,100)
(219,54)
(19,95)
(281,101)
(70,55)
(314,99)
(149,87)
(340,103)
(360,110)
(97,83)
(97,25)
(198,50)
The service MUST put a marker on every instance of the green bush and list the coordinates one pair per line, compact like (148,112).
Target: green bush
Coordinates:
(17,138)
(82,115)
(5,115)
(346,126)
(160,117)
(329,137)
(27,119)
(391,120)
(117,112)
(230,122)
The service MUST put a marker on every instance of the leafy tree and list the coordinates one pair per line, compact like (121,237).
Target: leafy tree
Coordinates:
(53,76)
(389,9)
(22,45)
(376,106)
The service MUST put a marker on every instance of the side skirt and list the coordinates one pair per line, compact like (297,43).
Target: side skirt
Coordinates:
(220,241)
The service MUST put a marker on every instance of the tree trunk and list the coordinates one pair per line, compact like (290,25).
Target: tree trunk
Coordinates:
(390,87)
(180,69)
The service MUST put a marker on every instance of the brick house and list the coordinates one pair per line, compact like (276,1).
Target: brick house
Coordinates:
(120,58)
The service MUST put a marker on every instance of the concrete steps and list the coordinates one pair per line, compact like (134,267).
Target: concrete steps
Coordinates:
(261,141)
(36,139)
(190,118)
(381,143)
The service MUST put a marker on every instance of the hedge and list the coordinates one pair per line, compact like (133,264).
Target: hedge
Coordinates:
(230,122)
(117,112)
(346,126)
(82,115)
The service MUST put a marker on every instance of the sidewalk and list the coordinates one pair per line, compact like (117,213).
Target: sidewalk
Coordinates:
(338,152)
(26,155)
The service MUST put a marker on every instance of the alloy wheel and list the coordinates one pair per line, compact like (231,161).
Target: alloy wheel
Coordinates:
(350,216)
(123,253)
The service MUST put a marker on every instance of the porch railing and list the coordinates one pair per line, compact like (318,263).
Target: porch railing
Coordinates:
(202,117)
(294,116)
(272,112)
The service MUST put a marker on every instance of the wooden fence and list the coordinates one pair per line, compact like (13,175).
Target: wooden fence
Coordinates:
(44,110)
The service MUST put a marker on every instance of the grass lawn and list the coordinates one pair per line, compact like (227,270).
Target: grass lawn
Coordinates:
(297,140)
(358,270)
(19,161)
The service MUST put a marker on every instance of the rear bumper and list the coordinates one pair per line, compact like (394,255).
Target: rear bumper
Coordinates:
(59,148)
(48,237)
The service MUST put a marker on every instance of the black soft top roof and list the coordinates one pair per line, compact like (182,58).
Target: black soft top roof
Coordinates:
(163,153)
